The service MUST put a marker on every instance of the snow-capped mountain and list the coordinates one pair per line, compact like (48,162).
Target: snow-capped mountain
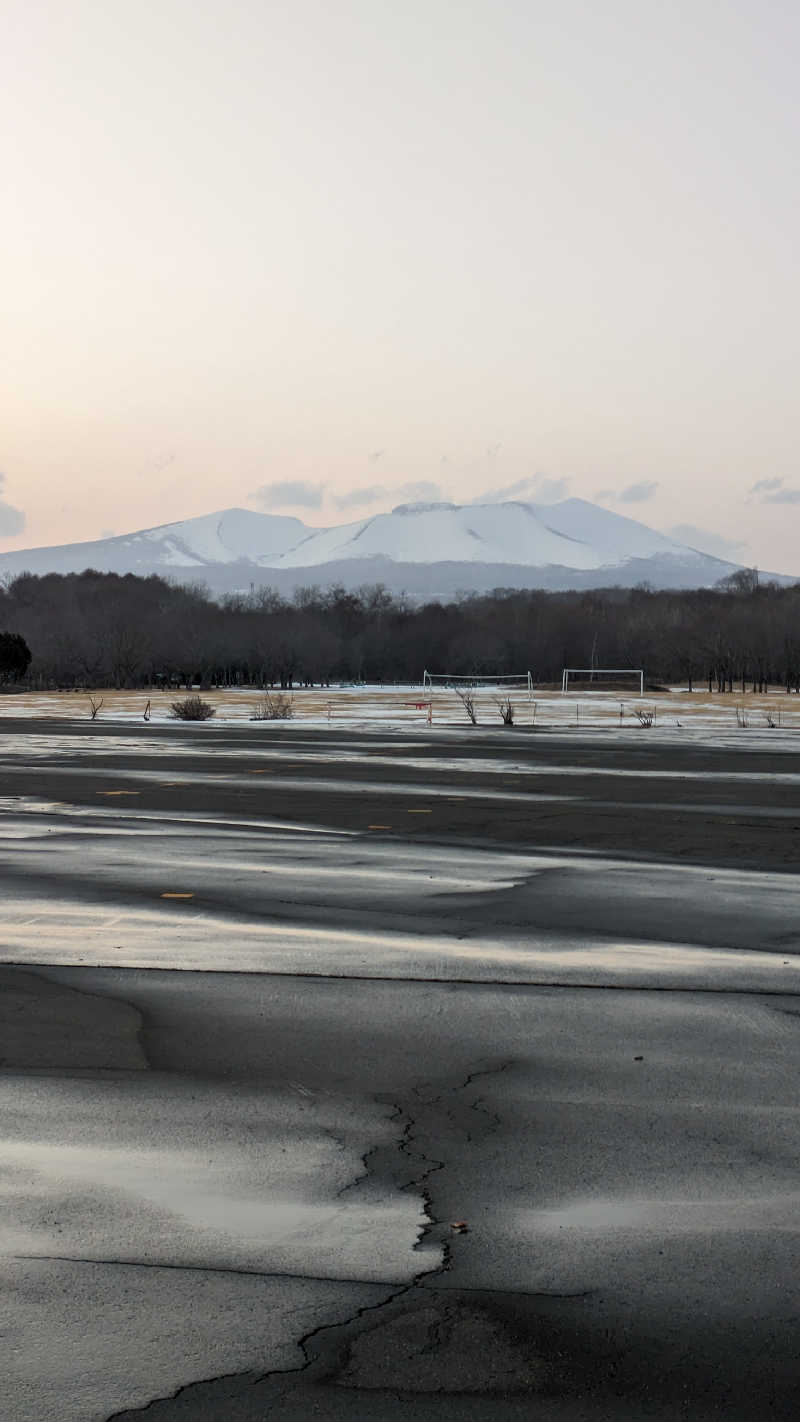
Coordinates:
(432,550)
(572,534)
(211,541)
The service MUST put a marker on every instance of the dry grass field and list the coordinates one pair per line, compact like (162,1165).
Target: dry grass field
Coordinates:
(406,707)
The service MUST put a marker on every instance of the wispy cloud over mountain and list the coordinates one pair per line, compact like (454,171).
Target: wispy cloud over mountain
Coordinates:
(774,491)
(289,493)
(536,487)
(370,494)
(632,493)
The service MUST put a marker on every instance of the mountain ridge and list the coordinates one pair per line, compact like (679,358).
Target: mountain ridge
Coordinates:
(433,549)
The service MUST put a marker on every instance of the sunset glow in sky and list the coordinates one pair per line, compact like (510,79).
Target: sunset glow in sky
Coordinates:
(321,258)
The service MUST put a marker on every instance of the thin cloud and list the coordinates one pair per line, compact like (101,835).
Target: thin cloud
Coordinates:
(774,491)
(12,521)
(533,486)
(638,493)
(766,486)
(631,494)
(361,498)
(705,541)
(289,493)
(422,489)
(417,491)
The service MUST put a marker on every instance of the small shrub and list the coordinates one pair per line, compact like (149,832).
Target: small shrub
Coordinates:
(468,702)
(276,707)
(506,709)
(94,708)
(192,708)
(645,718)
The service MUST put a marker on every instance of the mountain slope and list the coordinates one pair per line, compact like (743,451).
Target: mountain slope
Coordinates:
(613,534)
(430,550)
(231,536)
(436,533)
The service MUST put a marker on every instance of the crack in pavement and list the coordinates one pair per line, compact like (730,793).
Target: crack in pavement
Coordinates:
(201,1269)
(424,1167)
(272,1274)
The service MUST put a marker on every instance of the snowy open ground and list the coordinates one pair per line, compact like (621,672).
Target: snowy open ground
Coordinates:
(406,708)
(282,1003)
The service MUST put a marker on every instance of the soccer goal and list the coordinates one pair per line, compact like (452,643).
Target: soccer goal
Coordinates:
(496,685)
(602,679)
(480,693)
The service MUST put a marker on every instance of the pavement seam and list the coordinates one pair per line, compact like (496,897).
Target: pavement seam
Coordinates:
(419,1182)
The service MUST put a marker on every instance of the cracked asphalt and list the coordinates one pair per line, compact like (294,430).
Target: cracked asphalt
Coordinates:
(368,1076)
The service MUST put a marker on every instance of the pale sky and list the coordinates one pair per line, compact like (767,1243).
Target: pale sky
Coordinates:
(323,256)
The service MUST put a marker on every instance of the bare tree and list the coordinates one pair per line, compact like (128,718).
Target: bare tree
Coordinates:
(468,702)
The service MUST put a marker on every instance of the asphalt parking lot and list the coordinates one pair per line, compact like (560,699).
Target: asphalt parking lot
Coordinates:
(368,1075)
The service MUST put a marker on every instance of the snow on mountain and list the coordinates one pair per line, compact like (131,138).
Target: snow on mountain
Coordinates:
(572,534)
(430,550)
(212,540)
(612,534)
(223,537)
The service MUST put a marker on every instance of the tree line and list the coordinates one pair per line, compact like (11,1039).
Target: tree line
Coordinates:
(101,629)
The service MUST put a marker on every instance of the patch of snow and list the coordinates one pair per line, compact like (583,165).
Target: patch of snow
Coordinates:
(488,533)
(614,536)
(228,536)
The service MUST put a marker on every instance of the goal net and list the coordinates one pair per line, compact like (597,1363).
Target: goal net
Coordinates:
(478,696)
(497,686)
(615,679)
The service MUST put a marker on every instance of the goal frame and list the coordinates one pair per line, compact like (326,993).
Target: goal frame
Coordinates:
(446,681)
(600,673)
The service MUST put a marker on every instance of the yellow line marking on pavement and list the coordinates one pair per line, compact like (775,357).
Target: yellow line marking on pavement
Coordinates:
(379,827)
(419,812)
(177,896)
(118,792)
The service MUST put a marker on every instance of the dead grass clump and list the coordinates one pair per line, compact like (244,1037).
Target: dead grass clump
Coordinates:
(274,707)
(192,708)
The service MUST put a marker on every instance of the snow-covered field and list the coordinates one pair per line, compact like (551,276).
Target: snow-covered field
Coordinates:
(406,708)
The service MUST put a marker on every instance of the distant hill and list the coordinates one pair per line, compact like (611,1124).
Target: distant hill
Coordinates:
(426,550)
